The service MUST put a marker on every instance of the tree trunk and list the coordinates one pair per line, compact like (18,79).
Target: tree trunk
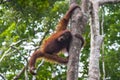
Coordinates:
(78,22)
(96,40)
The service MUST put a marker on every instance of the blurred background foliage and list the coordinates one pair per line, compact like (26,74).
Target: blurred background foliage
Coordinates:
(25,23)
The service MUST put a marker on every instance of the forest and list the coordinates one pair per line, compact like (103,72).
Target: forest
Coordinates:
(25,24)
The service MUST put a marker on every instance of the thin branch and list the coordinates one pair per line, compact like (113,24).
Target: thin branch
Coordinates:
(101,2)
(5,53)
(24,68)
(4,1)
(13,44)
(3,78)
(26,75)
(21,72)
(102,28)
(38,67)
(13,47)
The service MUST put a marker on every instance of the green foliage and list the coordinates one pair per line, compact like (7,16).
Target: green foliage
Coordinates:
(25,23)
(111,42)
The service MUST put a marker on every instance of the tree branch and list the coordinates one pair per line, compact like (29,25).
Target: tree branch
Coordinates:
(4,1)
(13,44)
(4,54)
(3,78)
(21,72)
(101,2)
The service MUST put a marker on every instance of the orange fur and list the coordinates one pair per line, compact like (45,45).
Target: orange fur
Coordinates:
(58,41)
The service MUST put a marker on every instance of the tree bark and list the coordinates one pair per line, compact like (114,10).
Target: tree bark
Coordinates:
(96,38)
(96,41)
(78,22)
